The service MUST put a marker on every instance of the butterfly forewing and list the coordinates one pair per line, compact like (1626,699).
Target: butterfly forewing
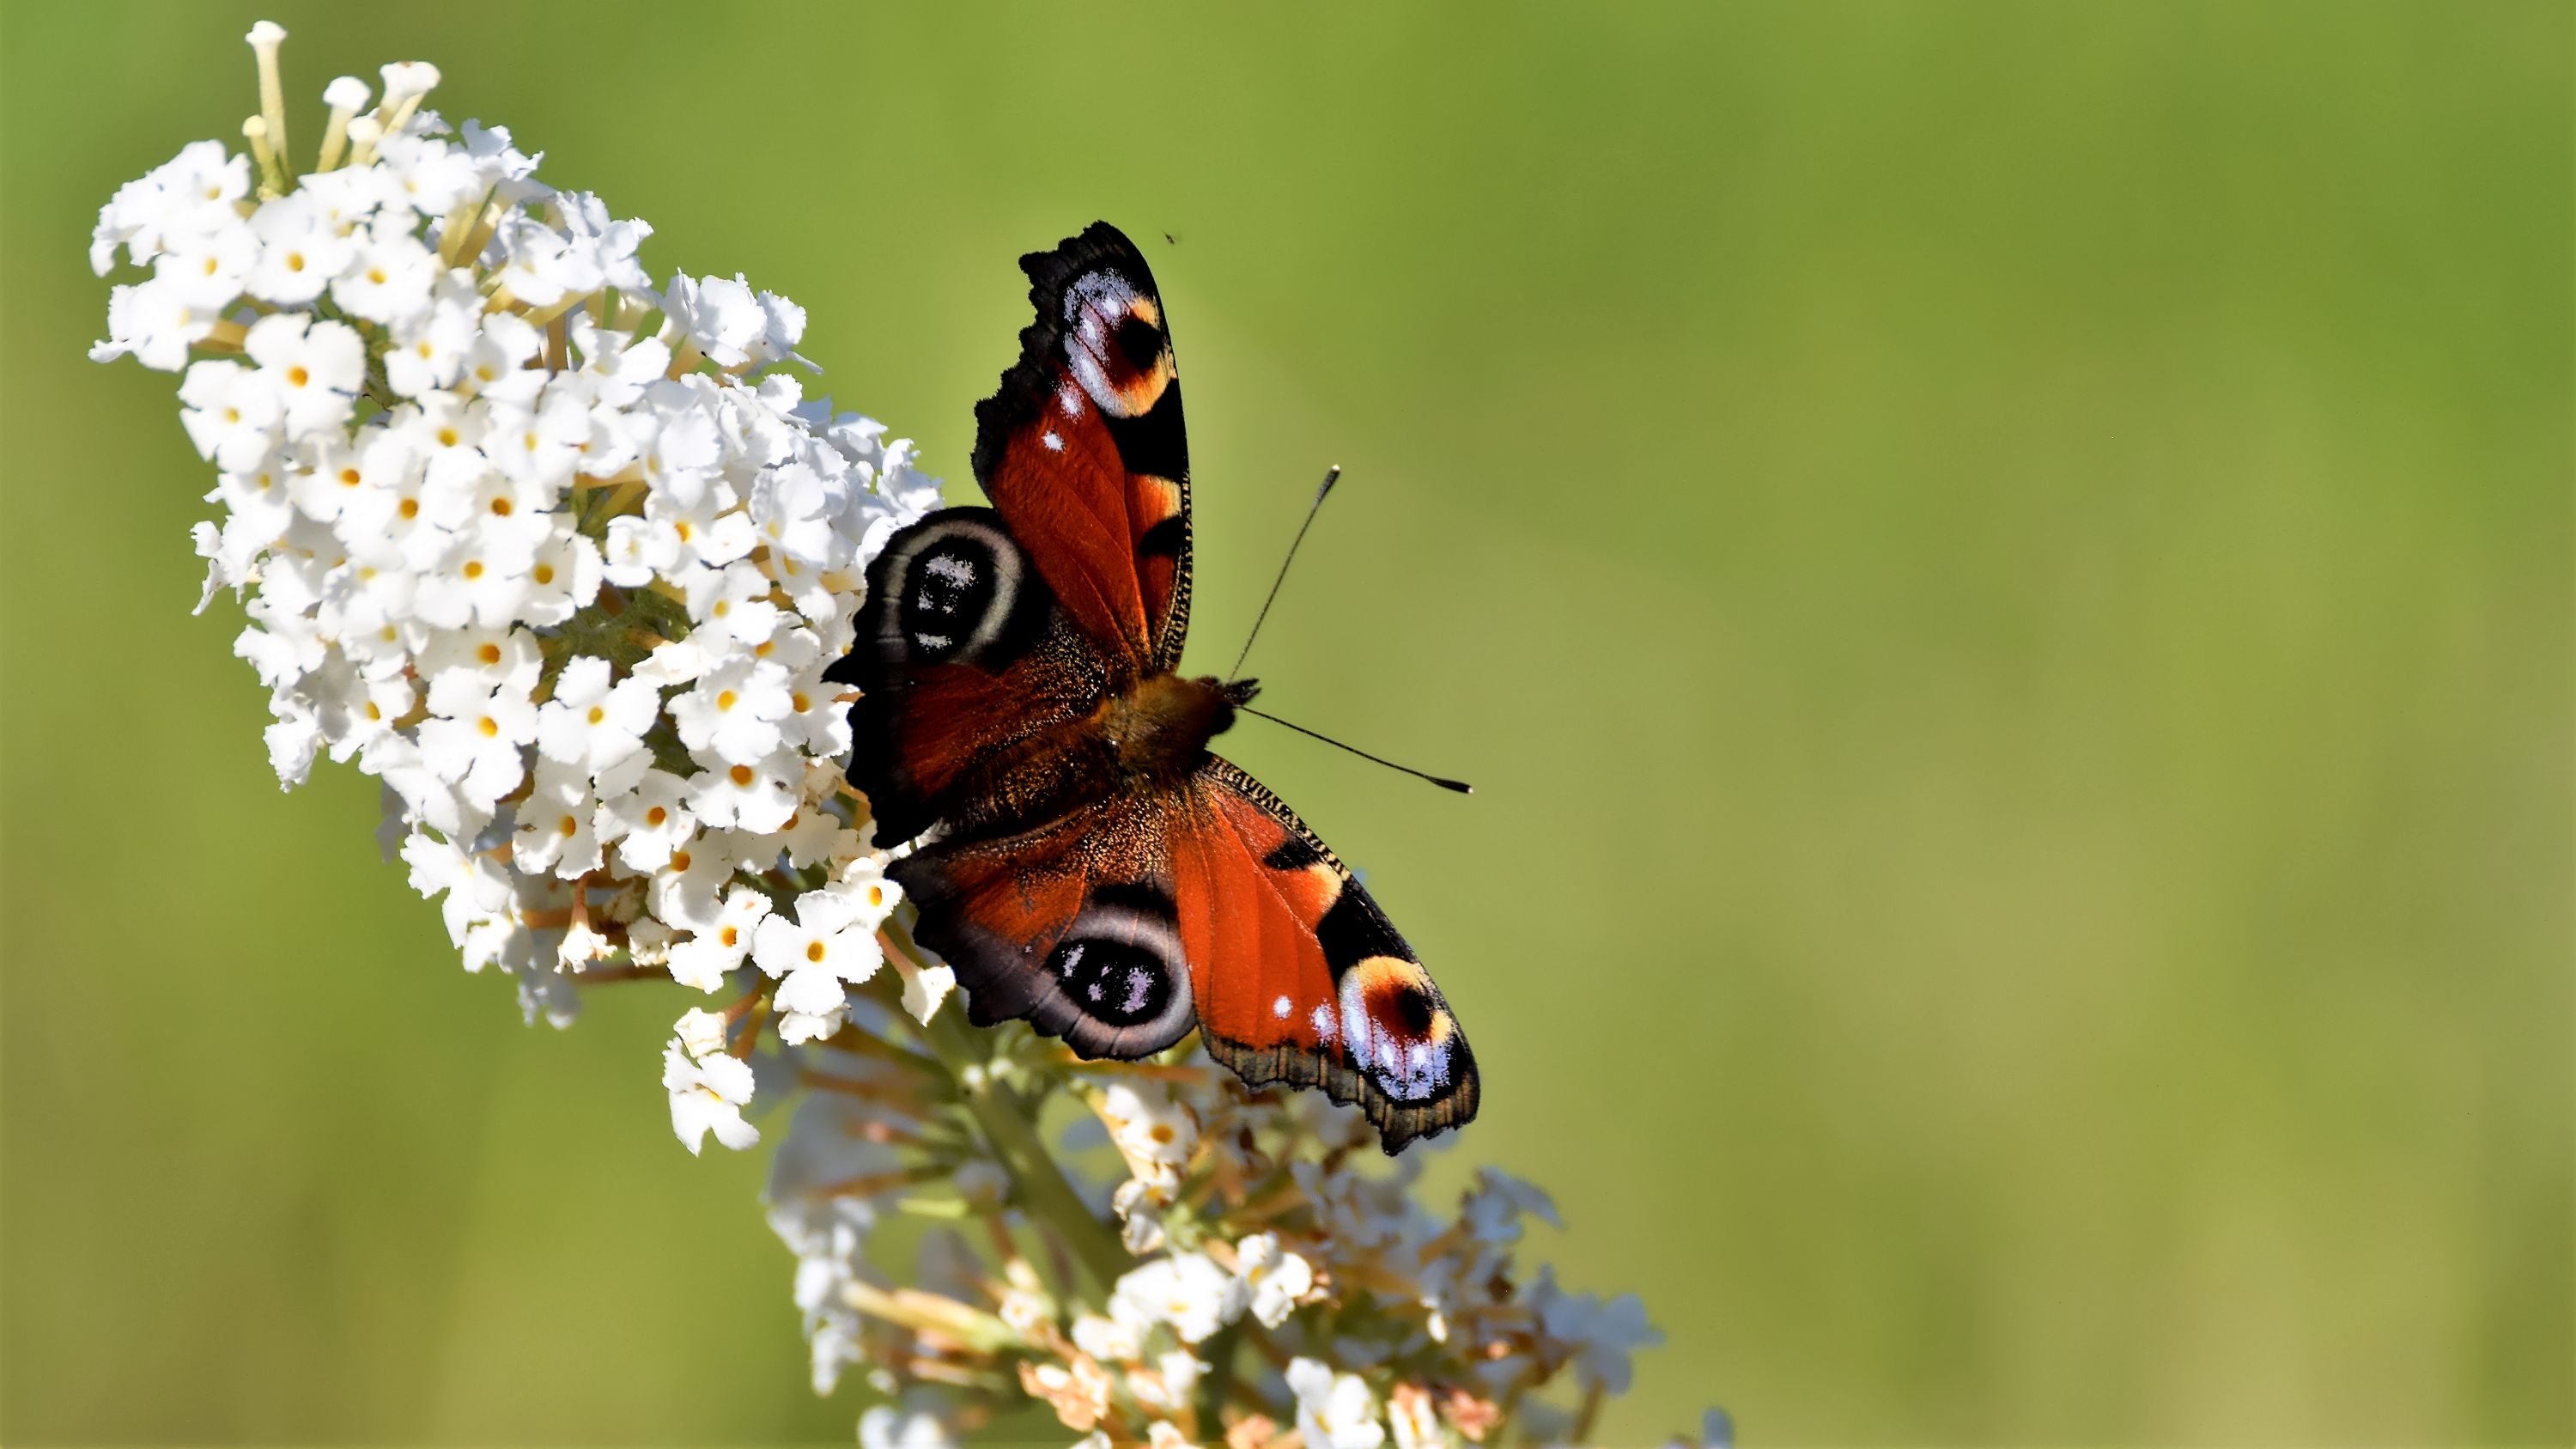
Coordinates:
(1302,979)
(1084,450)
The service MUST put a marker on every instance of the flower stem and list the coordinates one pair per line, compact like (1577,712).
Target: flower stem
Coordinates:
(1218,1384)
(1043,1190)
(1591,1410)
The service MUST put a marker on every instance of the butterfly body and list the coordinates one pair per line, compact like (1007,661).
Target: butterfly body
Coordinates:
(1088,863)
(1158,730)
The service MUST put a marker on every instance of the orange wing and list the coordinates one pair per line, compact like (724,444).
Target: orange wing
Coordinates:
(1300,978)
(1084,452)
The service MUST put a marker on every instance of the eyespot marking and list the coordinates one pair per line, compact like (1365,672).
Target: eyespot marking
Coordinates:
(1117,980)
(1396,1028)
(1140,341)
(1114,344)
(956,583)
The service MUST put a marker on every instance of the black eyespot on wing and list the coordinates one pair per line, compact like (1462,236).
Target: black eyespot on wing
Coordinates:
(952,588)
(1111,982)
(1141,342)
(1413,1012)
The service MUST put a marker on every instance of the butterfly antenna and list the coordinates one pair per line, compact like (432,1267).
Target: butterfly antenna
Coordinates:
(1461,786)
(1331,476)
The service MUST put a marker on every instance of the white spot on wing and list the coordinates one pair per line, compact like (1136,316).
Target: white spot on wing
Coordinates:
(955,570)
(1280,1007)
(1053,443)
(1069,398)
(1325,1025)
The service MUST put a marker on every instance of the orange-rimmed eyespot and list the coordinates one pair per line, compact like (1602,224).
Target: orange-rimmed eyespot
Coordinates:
(1396,1029)
(1115,344)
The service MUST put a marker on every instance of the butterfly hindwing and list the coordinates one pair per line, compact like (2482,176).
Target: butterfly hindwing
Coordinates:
(1071,925)
(1084,451)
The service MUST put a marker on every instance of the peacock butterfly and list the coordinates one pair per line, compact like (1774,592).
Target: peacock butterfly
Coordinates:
(1090,865)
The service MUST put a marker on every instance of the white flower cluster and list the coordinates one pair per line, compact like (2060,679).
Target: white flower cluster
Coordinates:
(1260,1217)
(557,555)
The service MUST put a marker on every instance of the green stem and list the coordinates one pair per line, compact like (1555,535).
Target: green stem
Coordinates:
(1591,1410)
(1042,1188)
(1218,1385)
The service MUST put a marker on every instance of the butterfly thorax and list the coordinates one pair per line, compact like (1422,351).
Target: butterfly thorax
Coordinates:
(1158,728)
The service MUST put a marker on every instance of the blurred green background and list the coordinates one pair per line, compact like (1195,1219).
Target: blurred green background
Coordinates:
(2003,572)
